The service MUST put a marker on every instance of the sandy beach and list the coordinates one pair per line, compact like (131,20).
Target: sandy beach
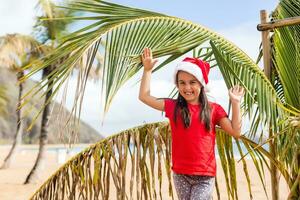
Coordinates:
(12,188)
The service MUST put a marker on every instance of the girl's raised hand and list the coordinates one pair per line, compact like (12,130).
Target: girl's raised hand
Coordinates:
(236,94)
(148,60)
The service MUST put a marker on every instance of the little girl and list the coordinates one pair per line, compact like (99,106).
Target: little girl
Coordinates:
(192,119)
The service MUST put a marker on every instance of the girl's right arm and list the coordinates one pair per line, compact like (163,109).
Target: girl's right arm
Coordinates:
(144,94)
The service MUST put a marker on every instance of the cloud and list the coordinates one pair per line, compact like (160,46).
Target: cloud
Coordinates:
(17,16)
(245,36)
(127,111)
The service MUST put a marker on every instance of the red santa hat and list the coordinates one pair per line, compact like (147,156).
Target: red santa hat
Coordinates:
(196,67)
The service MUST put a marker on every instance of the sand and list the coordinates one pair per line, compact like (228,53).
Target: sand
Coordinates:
(12,188)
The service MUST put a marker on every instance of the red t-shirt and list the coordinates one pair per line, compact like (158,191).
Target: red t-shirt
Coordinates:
(193,148)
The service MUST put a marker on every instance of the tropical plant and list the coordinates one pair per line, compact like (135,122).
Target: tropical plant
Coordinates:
(126,31)
(90,173)
(49,32)
(141,153)
(16,51)
(3,100)
(286,81)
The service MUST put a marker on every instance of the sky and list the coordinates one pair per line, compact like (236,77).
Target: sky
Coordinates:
(233,19)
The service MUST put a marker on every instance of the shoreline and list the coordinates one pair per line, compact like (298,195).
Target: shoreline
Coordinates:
(76,148)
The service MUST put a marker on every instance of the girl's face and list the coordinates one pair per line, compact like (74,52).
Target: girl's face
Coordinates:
(189,87)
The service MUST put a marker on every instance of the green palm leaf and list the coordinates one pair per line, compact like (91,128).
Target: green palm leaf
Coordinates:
(286,46)
(286,59)
(126,31)
(237,68)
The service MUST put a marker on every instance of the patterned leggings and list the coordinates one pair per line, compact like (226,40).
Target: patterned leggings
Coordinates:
(193,187)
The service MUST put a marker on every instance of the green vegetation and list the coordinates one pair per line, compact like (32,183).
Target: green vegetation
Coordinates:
(273,105)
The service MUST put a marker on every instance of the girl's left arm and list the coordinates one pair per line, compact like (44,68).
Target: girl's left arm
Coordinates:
(233,127)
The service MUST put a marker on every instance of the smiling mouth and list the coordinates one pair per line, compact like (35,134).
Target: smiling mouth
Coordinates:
(188,93)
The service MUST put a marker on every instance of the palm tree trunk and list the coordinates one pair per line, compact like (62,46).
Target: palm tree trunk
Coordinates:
(18,136)
(267,59)
(274,172)
(34,174)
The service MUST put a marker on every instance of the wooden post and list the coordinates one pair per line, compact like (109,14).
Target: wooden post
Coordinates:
(266,45)
(267,69)
(278,23)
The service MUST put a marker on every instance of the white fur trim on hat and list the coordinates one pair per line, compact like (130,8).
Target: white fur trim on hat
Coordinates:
(192,69)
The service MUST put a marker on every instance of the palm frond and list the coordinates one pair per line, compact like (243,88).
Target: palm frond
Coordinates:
(286,46)
(126,32)
(225,150)
(237,68)
(286,61)
(3,100)
(93,172)
(47,29)
(144,154)
(17,50)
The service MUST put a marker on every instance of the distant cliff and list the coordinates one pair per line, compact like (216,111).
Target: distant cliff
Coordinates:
(8,122)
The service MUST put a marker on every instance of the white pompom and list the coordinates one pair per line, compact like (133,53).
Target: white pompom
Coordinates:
(207,88)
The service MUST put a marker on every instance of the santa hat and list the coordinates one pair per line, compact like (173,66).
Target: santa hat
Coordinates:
(197,68)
